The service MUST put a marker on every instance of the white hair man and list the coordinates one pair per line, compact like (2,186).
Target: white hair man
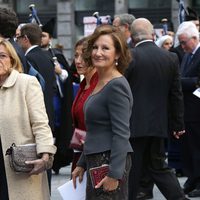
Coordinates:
(188,36)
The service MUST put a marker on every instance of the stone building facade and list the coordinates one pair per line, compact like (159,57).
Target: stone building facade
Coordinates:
(70,13)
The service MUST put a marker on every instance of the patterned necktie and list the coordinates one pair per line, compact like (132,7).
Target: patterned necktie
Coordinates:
(187,64)
(189,59)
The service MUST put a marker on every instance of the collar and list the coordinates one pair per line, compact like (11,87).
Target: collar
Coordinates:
(92,80)
(30,48)
(10,81)
(143,41)
(194,51)
(128,40)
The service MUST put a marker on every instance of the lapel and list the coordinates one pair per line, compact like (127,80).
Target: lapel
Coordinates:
(185,67)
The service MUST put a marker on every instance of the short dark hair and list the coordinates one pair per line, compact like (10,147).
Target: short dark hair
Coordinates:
(8,23)
(120,45)
(33,33)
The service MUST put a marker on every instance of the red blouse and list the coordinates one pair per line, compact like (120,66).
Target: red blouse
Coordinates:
(81,97)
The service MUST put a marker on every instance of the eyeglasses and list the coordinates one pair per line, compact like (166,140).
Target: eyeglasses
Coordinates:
(167,43)
(20,36)
(4,56)
(184,42)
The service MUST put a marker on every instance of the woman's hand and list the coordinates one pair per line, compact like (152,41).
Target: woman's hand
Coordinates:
(78,172)
(108,184)
(39,164)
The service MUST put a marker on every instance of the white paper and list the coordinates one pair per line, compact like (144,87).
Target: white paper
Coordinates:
(68,192)
(197,92)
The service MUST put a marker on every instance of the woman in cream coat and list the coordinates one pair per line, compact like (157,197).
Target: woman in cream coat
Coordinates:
(23,120)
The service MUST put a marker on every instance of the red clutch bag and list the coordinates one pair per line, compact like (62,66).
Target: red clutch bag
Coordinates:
(78,139)
(98,173)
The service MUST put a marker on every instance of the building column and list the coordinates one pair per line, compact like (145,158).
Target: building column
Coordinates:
(121,6)
(66,27)
(175,10)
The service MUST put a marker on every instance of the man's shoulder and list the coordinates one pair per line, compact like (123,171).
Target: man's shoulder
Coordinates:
(38,52)
(35,50)
(198,52)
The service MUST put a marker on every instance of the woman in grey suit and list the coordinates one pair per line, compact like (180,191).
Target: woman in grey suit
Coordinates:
(107,114)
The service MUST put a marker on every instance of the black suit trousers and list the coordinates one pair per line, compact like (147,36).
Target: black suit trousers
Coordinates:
(3,181)
(149,155)
(190,153)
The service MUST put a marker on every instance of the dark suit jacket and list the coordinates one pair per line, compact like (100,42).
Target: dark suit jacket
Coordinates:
(179,51)
(190,76)
(155,83)
(45,67)
(20,53)
(130,44)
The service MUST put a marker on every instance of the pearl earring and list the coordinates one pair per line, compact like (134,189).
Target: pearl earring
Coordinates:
(116,62)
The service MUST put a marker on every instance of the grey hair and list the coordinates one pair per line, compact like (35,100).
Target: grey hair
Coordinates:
(126,18)
(142,29)
(189,29)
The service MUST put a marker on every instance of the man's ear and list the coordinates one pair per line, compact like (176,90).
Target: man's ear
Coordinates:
(126,26)
(25,37)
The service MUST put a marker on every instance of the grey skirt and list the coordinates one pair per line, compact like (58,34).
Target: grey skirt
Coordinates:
(121,193)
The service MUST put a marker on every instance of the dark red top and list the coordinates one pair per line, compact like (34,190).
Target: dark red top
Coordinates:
(81,97)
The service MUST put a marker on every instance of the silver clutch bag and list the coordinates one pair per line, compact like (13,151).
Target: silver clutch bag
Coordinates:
(18,154)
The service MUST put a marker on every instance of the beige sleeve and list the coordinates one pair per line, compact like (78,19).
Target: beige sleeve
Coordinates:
(38,117)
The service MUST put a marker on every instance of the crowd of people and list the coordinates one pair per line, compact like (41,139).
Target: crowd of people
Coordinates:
(136,104)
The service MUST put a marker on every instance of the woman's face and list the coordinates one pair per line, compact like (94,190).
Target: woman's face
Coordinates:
(5,61)
(167,44)
(104,53)
(81,67)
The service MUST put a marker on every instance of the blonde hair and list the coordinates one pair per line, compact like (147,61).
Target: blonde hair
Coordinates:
(15,61)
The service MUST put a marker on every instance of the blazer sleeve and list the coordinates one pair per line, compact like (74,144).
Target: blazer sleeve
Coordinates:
(190,82)
(38,117)
(120,107)
(81,162)
(176,105)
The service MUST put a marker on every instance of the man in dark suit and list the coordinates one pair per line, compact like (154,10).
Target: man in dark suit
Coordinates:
(30,39)
(188,36)
(155,83)
(191,16)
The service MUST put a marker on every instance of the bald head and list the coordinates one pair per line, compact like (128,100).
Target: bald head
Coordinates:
(142,29)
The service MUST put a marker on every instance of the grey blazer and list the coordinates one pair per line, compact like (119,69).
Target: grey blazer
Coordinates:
(107,116)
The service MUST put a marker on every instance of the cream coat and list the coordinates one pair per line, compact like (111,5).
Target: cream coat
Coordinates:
(23,120)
